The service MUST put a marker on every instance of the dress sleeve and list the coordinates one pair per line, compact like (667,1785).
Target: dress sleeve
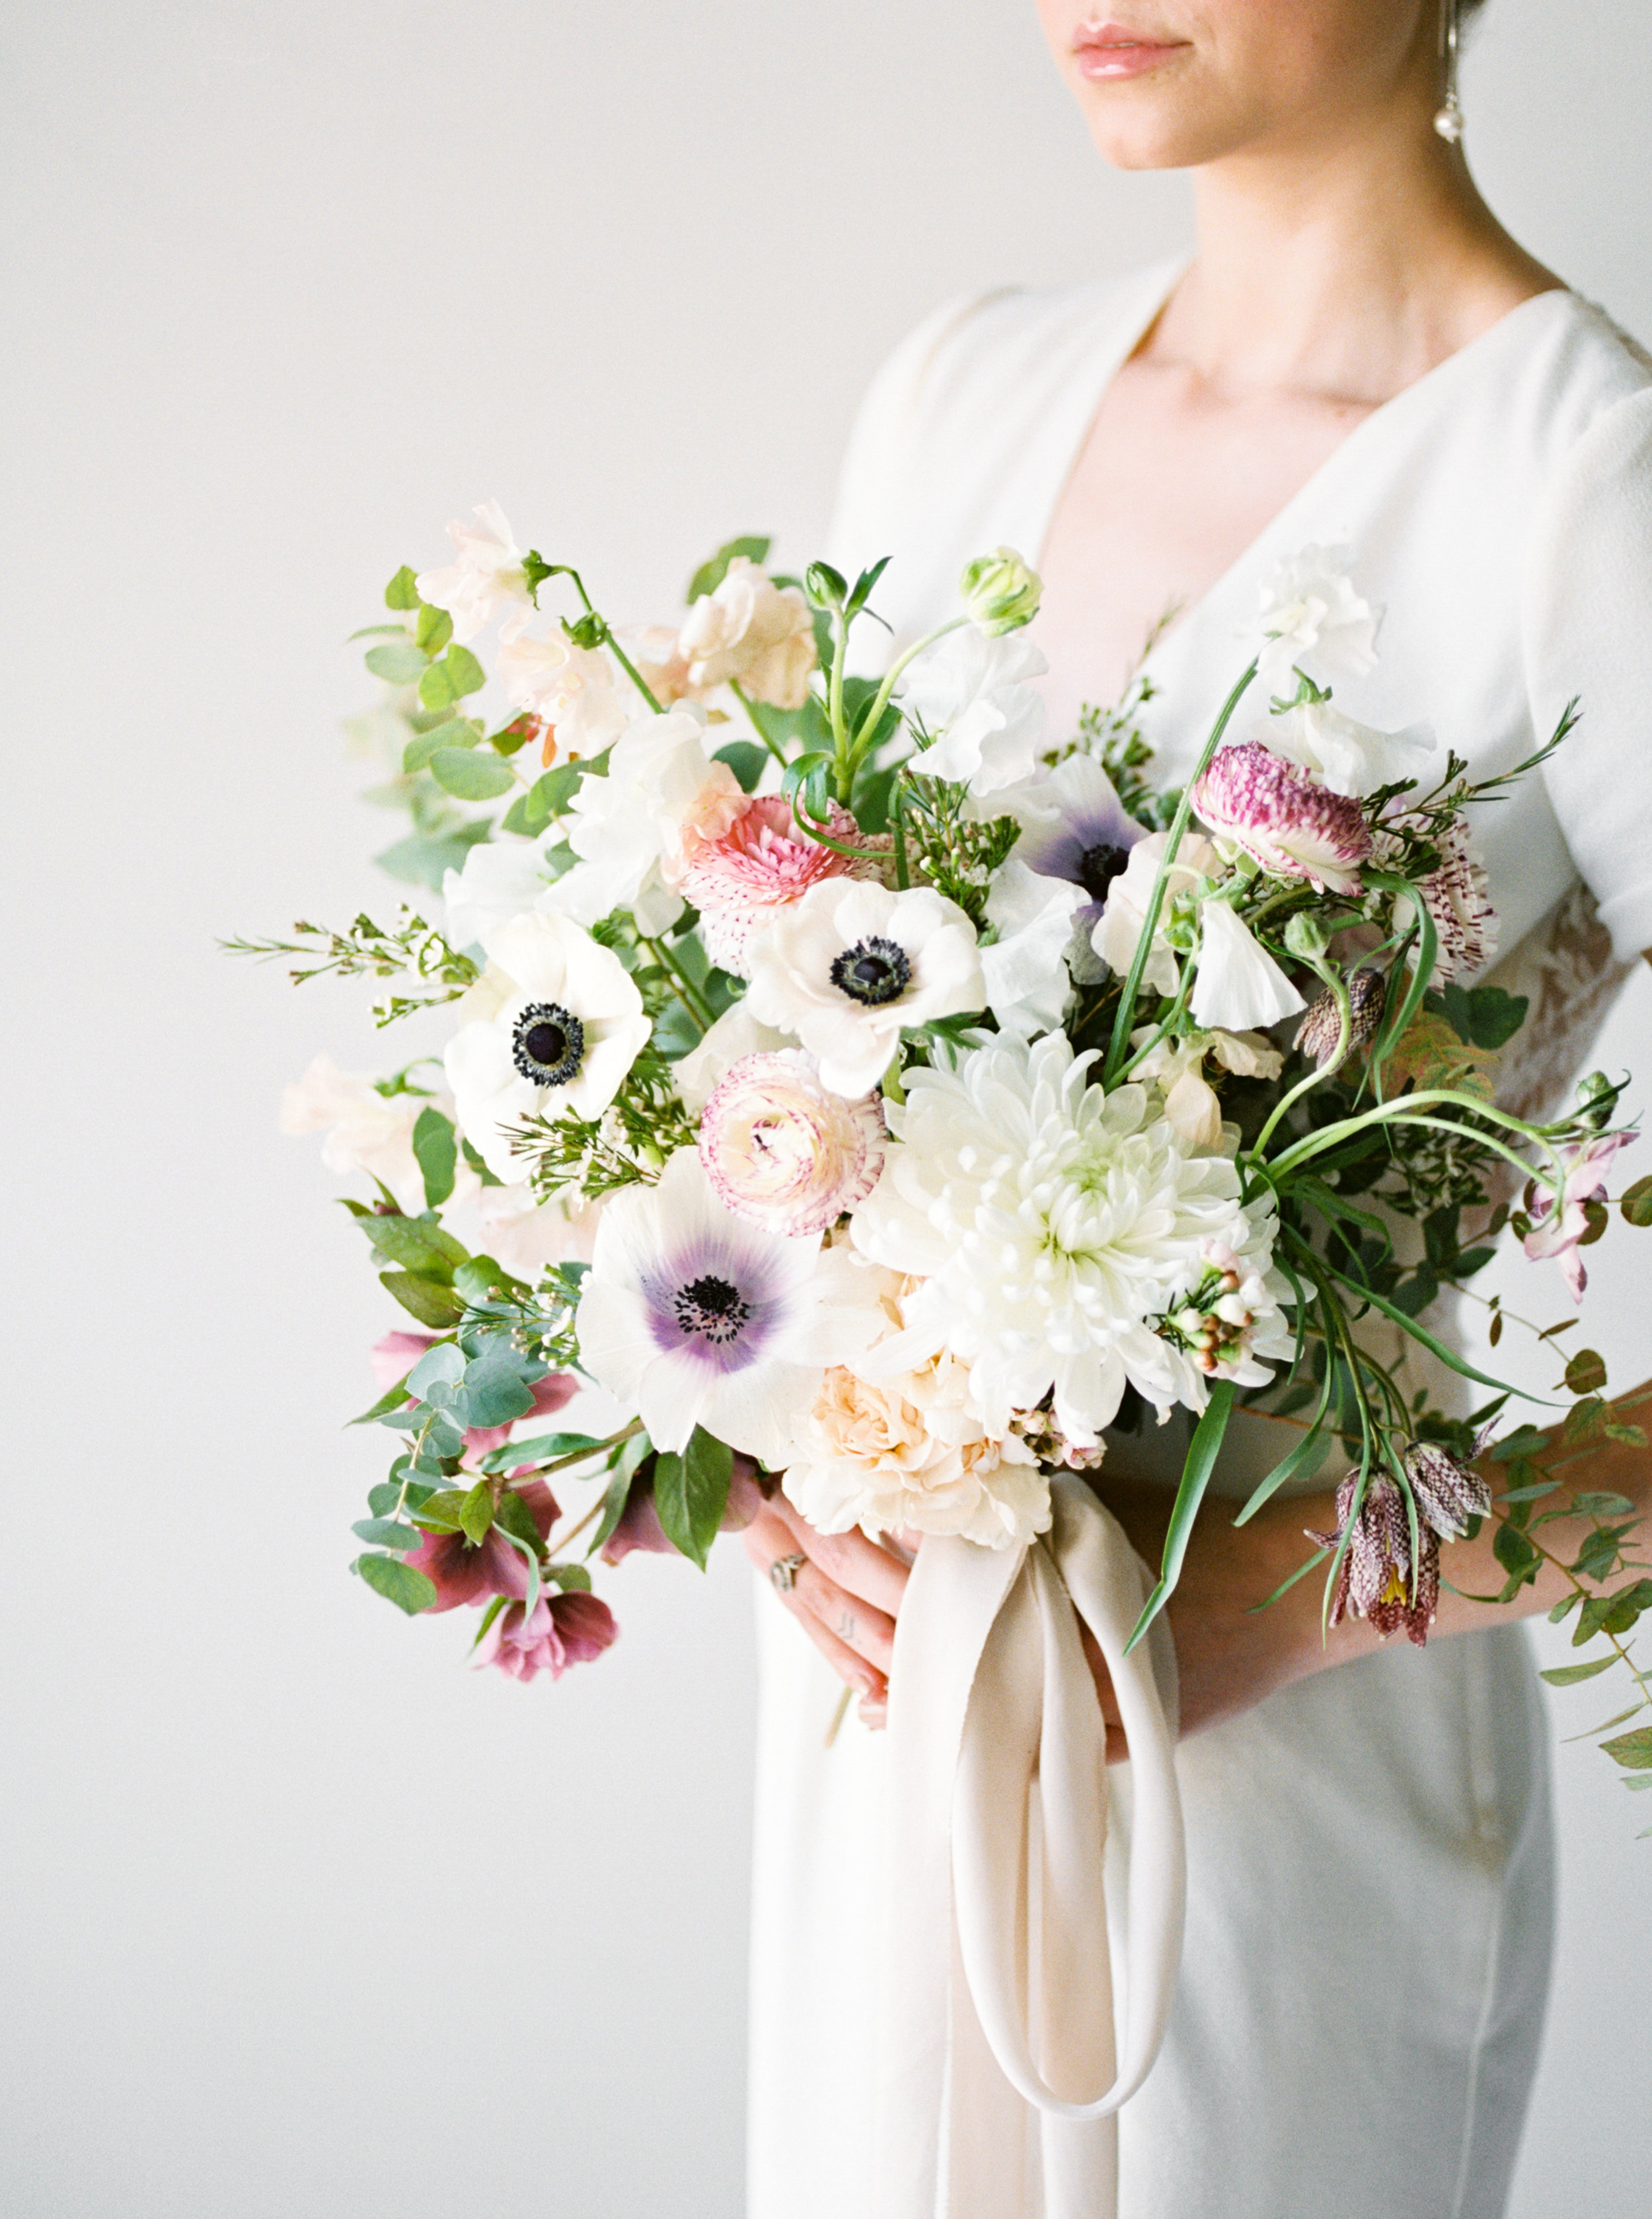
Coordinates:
(879,461)
(1589,637)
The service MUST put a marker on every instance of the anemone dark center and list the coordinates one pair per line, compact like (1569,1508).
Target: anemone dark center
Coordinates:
(1098,866)
(872,972)
(548,1045)
(714,1309)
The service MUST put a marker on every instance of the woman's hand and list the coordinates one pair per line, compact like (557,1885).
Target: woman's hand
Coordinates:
(844,1595)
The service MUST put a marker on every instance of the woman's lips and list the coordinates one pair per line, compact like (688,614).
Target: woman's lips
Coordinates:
(1111,50)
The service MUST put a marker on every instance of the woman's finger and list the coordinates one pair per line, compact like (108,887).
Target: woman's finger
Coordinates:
(856,1639)
(848,1559)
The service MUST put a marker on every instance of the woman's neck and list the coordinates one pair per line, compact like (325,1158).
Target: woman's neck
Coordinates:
(1344,271)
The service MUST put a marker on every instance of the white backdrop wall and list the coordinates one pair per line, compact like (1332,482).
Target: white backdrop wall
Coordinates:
(297,1915)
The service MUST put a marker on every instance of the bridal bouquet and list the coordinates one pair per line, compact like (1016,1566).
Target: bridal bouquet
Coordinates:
(847,1086)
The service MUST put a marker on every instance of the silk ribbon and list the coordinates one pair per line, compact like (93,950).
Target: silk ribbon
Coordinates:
(998,2072)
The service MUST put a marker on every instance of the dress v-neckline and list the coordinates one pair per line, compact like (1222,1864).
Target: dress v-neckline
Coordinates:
(1365,433)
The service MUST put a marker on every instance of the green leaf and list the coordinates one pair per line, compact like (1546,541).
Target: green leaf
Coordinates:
(494,1391)
(441,1366)
(477,1513)
(402,592)
(436,1148)
(1637,1203)
(1483,1017)
(513,1517)
(434,629)
(440,1511)
(425,859)
(1513,1551)
(457,674)
(709,575)
(398,662)
(1203,1451)
(1632,1750)
(546,798)
(1596,1505)
(1569,1675)
(397,1583)
(451,732)
(544,1448)
(428,1300)
(1313,1445)
(1584,1422)
(471,777)
(572,1579)
(416,1243)
(384,1500)
(746,760)
(615,1497)
(1523,1441)
(691,1493)
(391,1399)
(387,1533)
(1434,1346)
(1586,1372)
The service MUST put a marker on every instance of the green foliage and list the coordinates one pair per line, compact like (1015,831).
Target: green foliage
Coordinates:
(436,1148)
(398,662)
(1632,1750)
(691,1493)
(1637,1203)
(450,678)
(1481,1016)
(627,1145)
(397,1583)
(544,800)
(471,777)
(425,857)
(366,949)
(428,1300)
(746,760)
(445,732)
(402,592)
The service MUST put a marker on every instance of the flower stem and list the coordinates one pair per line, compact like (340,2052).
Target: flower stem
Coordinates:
(1125,1016)
(699,1010)
(744,700)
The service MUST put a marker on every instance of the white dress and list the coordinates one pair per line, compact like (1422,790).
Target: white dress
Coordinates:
(1370,1853)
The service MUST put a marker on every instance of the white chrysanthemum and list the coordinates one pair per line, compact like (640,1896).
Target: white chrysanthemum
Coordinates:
(550,1028)
(971,691)
(850,965)
(630,829)
(1052,1225)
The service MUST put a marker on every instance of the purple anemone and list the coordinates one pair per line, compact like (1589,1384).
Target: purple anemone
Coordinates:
(1075,827)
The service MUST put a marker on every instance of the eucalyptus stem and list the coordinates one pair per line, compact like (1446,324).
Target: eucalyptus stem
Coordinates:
(1123,1021)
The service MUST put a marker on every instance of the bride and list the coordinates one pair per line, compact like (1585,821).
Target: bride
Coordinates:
(1357,352)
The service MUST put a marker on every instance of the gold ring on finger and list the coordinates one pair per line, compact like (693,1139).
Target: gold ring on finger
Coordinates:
(784,1571)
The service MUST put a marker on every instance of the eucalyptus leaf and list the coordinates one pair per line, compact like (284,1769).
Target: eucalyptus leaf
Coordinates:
(398,662)
(1632,1750)
(496,1392)
(426,858)
(451,732)
(441,1366)
(418,1243)
(434,628)
(471,777)
(457,674)
(440,1510)
(1569,1675)
(402,592)
(389,1533)
(1637,1203)
(397,1583)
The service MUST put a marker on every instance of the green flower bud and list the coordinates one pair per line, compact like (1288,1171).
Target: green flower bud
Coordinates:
(1001,592)
(1306,936)
(825,587)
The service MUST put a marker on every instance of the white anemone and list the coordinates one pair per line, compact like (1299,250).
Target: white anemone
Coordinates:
(693,1316)
(553,1024)
(850,965)
(1053,1228)
(628,827)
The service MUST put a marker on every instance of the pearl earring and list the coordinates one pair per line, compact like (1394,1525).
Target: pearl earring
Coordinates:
(1448,120)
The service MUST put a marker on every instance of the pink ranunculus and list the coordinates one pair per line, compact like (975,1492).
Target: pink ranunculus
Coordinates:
(1290,823)
(466,1573)
(784,1151)
(744,877)
(559,1631)
(1560,1230)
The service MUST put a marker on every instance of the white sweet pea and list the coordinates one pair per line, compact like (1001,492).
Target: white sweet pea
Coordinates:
(970,690)
(486,577)
(1309,608)
(573,689)
(1348,757)
(1239,986)
(366,1131)
(1120,927)
(628,827)
(849,966)
(551,1027)
(1025,969)
(1191,1103)
(499,879)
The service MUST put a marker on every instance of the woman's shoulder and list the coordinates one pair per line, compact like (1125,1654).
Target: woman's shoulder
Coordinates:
(1588,386)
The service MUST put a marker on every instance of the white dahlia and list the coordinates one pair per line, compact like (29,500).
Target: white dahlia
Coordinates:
(1056,1229)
